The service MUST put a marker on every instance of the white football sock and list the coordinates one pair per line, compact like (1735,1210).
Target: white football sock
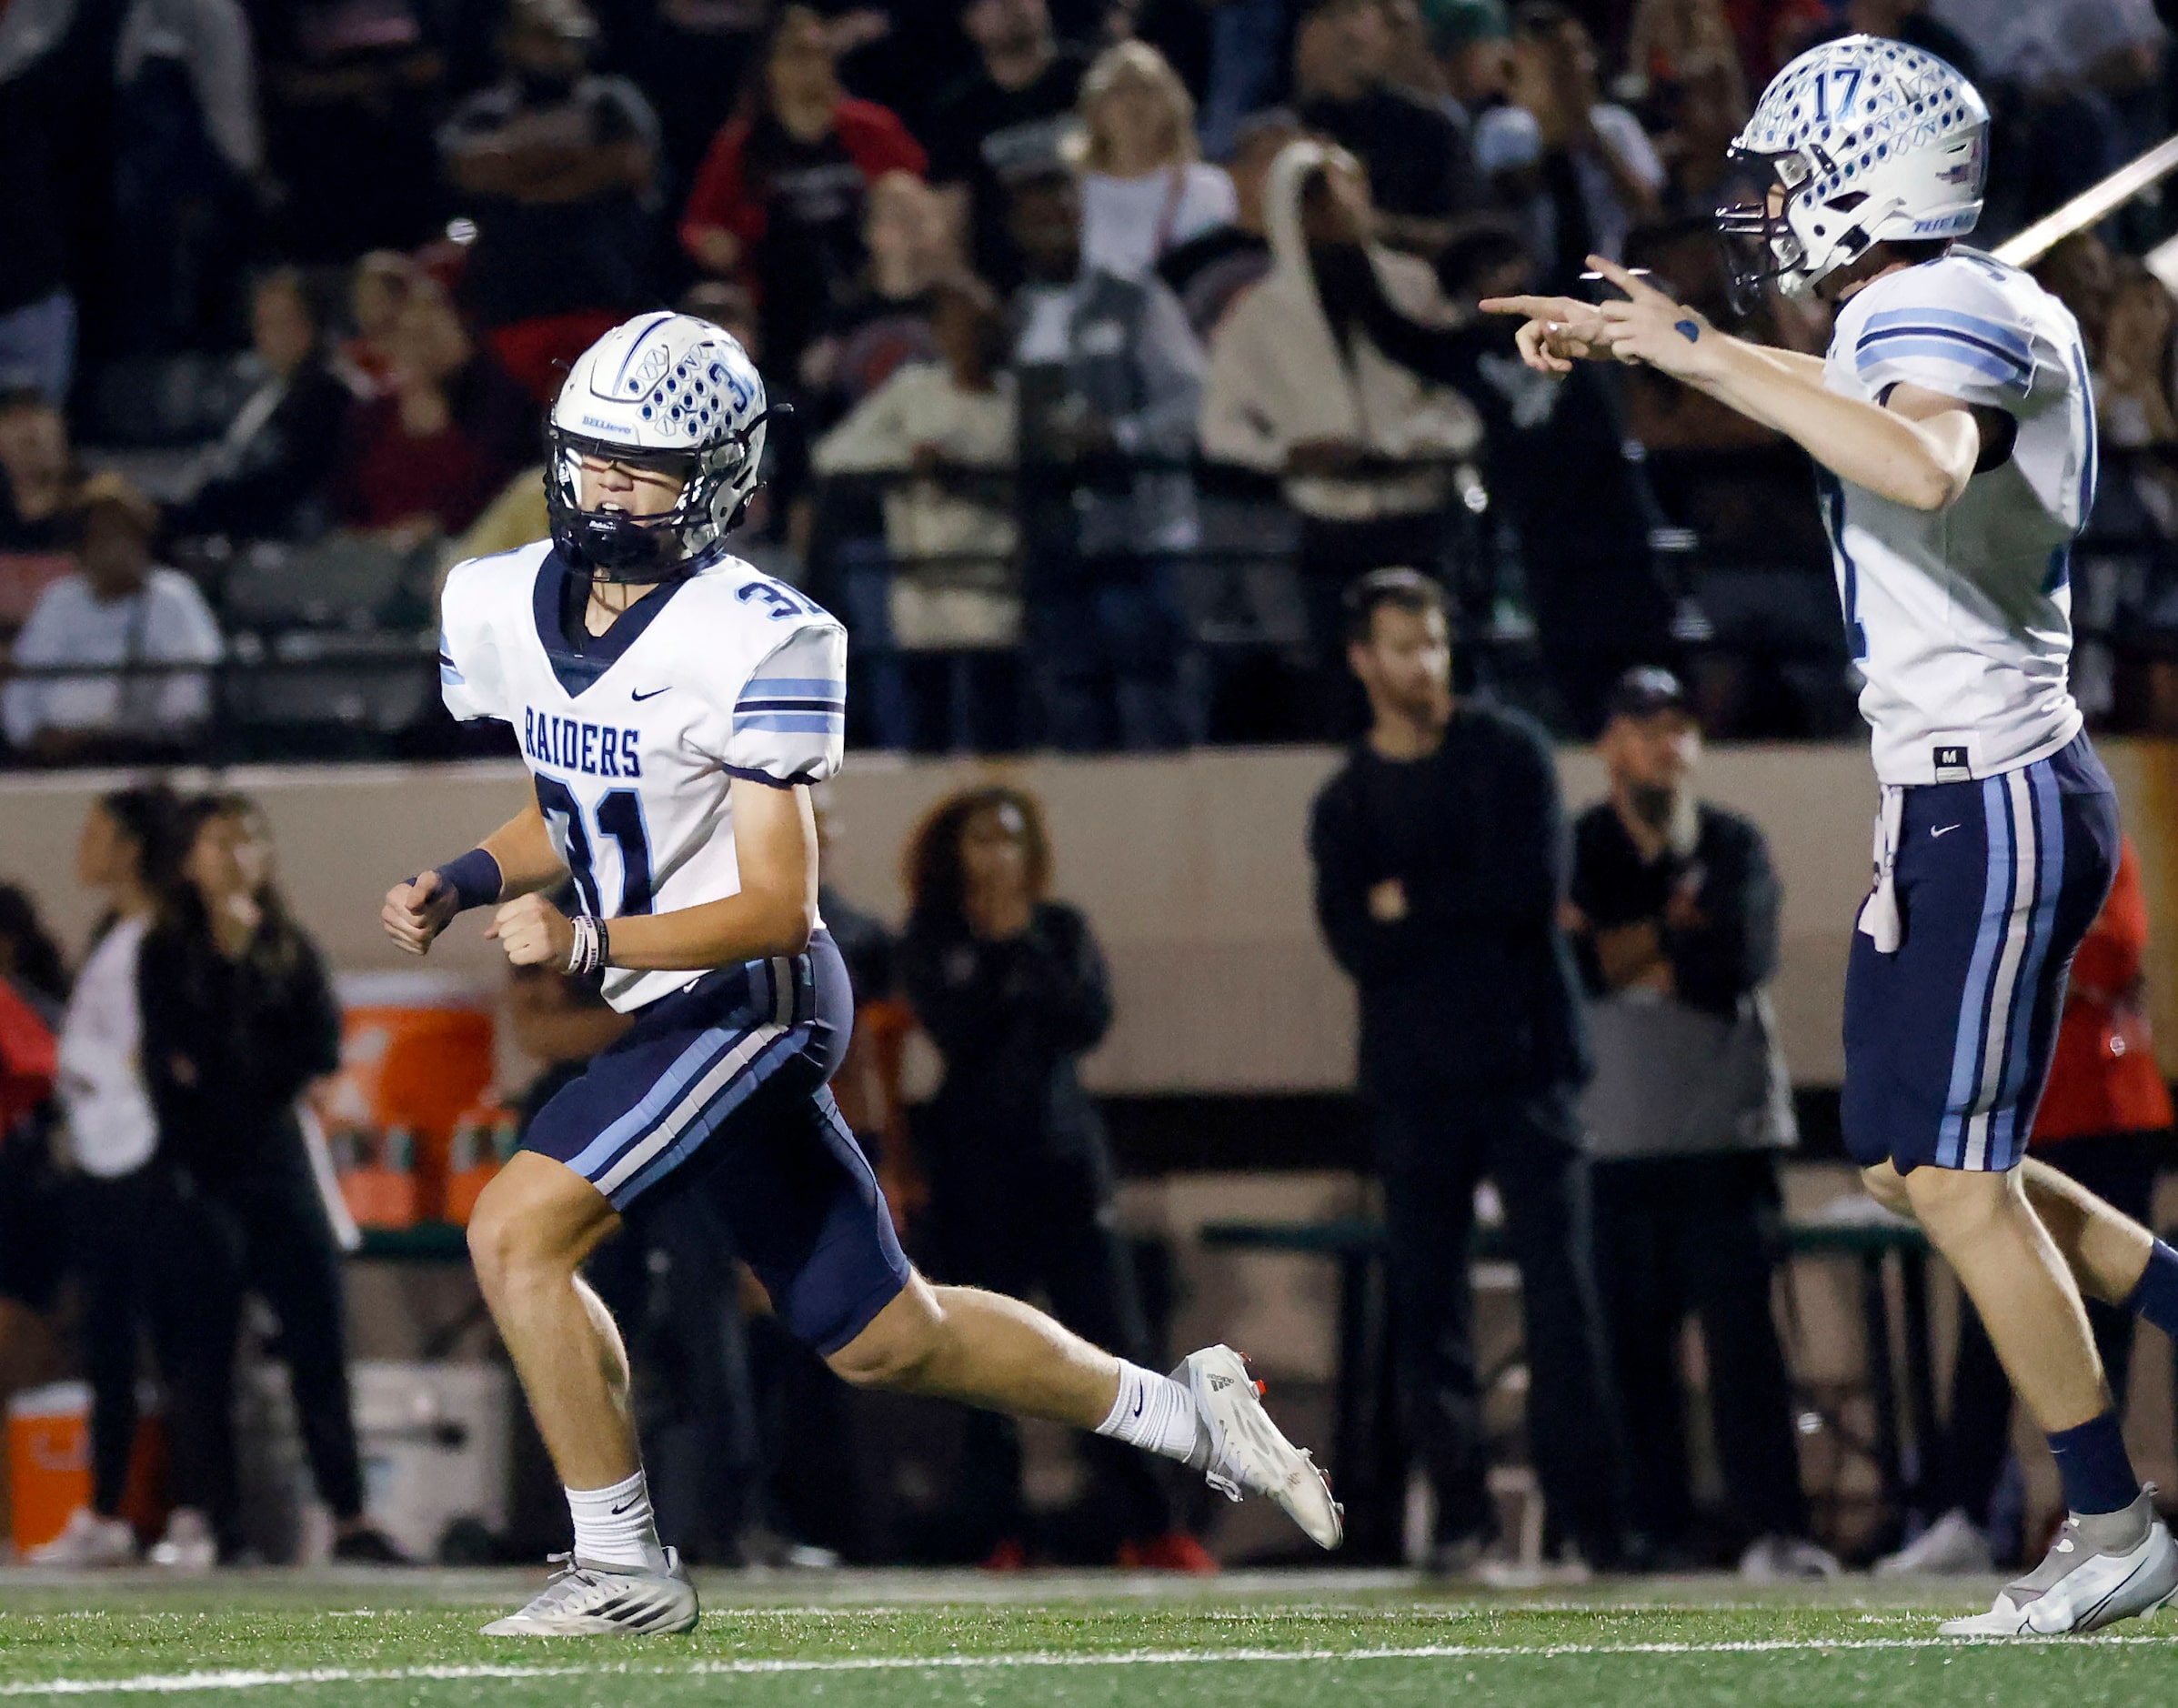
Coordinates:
(614,1527)
(1153,1411)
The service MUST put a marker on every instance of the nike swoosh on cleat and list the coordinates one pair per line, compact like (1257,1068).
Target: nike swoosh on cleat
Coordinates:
(652,695)
(2116,1589)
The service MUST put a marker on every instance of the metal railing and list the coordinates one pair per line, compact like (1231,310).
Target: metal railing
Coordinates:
(341,686)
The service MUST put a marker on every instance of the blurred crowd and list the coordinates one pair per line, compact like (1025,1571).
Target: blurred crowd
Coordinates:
(1117,337)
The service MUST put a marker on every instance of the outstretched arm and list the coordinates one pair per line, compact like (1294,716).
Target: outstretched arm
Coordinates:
(1918,449)
(775,839)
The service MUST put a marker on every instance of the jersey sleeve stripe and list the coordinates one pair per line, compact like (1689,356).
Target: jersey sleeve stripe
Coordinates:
(791,723)
(1891,334)
(1942,347)
(770,780)
(449,672)
(789,705)
(2006,338)
(793,688)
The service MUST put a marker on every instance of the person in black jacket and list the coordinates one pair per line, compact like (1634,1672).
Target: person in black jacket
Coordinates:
(1440,857)
(1673,918)
(265,478)
(1012,990)
(239,1019)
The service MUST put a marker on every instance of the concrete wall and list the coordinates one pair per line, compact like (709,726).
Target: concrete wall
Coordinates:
(1192,867)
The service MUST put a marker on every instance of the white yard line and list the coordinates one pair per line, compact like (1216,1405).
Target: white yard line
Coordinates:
(161,1683)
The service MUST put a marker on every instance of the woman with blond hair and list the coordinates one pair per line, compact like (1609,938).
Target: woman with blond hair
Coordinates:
(1144,188)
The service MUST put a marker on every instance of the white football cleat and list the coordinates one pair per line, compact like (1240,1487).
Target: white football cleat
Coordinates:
(2086,1582)
(1246,1450)
(601,1600)
(87,1542)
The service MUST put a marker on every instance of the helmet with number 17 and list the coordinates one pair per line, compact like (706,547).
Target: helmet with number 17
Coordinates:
(669,393)
(1856,142)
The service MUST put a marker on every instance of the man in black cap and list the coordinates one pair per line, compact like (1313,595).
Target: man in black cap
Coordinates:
(1440,854)
(1673,918)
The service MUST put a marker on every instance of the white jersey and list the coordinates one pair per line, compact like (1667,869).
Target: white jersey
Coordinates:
(634,736)
(1960,619)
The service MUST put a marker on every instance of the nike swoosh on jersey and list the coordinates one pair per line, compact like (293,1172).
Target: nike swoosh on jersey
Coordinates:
(1945,832)
(654,693)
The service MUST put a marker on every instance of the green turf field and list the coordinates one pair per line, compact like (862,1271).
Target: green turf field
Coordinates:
(874,1640)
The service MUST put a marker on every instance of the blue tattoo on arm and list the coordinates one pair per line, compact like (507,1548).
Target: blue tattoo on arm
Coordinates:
(1690,330)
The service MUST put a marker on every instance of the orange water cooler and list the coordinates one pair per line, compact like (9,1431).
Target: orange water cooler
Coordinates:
(415,1056)
(483,1139)
(49,1463)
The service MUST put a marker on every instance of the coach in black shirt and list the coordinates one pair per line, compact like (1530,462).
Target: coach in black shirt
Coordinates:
(1439,855)
(1673,918)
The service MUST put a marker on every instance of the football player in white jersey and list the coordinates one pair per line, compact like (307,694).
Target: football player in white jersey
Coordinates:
(1955,429)
(674,706)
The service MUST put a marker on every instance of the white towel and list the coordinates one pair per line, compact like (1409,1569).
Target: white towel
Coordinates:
(1879,913)
(346,1235)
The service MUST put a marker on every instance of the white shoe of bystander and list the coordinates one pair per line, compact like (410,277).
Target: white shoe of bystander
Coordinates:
(1953,1547)
(188,1545)
(87,1542)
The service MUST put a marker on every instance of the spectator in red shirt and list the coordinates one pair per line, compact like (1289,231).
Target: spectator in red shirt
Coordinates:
(33,987)
(426,456)
(2103,1081)
(2105,1121)
(780,201)
(378,288)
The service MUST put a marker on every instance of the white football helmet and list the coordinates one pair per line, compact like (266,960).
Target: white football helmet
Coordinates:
(668,392)
(1857,141)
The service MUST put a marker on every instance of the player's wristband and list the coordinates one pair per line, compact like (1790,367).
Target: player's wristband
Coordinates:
(474,878)
(592,948)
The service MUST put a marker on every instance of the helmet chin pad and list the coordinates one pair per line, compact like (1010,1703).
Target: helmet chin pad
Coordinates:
(616,547)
